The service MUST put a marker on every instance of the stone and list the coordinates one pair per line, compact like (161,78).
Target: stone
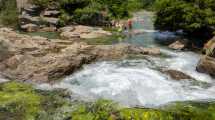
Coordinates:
(51,13)
(27,19)
(29,27)
(178,45)
(209,48)
(67,29)
(32,10)
(83,32)
(38,59)
(206,65)
(51,20)
(177,75)
(48,29)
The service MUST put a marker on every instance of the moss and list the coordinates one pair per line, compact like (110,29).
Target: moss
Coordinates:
(107,110)
(19,101)
(192,110)
(145,114)
(100,110)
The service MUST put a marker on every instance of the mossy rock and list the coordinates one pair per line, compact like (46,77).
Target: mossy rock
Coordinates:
(19,101)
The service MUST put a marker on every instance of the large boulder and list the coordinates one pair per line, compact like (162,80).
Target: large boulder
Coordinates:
(39,60)
(206,65)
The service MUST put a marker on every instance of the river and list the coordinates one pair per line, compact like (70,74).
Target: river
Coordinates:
(138,82)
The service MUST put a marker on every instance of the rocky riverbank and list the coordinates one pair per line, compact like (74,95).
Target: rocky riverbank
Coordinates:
(40,60)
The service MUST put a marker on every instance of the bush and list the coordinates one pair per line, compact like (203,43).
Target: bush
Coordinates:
(8,13)
(194,17)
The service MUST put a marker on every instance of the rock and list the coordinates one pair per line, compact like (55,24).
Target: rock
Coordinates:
(209,48)
(178,45)
(29,27)
(51,13)
(177,75)
(32,10)
(84,32)
(41,60)
(206,65)
(69,35)
(51,20)
(27,19)
(67,29)
(48,29)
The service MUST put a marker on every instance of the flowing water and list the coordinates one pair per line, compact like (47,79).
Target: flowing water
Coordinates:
(140,82)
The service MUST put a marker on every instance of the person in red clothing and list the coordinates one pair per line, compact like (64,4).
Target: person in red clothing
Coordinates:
(130,26)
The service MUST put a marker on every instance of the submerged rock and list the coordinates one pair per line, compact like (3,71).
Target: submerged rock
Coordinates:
(206,65)
(177,75)
(40,60)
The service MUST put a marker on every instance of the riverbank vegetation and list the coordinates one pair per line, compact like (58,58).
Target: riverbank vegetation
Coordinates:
(195,17)
(19,101)
(88,12)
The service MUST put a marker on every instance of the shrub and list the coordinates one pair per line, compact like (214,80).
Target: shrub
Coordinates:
(8,13)
(194,17)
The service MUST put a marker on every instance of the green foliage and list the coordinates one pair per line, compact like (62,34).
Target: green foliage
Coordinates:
(145,114)
(20,101)
(192,16)
(106,110)
(16,98)
(92,12)
(192,110)
(100,110)
(8,13)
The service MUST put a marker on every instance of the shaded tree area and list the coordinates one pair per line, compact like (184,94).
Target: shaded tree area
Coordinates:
(194,17)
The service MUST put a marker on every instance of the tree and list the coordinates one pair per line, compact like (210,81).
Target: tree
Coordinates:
(196,17)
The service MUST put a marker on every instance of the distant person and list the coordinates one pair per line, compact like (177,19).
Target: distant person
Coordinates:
(130,24)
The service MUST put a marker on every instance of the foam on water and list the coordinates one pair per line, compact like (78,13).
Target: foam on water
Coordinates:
(138,82)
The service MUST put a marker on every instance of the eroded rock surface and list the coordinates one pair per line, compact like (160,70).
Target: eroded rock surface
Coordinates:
(206,65)
(39,60)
